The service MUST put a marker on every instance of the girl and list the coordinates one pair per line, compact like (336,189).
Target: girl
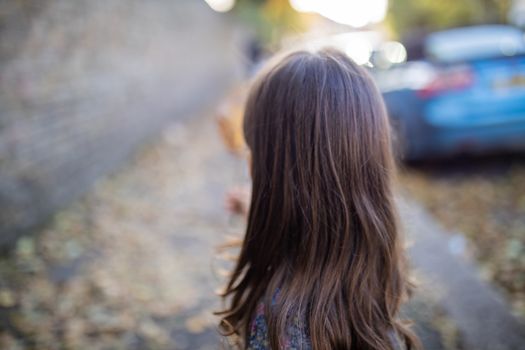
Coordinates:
(321,265)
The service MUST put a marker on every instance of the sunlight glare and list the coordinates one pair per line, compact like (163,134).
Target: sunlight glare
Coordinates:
(359,50)
(355,13)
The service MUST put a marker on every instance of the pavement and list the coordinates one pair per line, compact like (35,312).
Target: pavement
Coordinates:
(134,265)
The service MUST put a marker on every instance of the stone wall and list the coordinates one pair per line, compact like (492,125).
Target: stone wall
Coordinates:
(83,83)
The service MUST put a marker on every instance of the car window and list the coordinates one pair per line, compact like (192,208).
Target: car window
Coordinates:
(471,43)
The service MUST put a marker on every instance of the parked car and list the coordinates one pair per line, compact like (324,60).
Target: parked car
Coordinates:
(466,96)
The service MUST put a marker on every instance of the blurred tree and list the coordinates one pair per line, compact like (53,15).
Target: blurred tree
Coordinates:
(271,19)
(407,16)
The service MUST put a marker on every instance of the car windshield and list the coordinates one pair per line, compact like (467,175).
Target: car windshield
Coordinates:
(465,44)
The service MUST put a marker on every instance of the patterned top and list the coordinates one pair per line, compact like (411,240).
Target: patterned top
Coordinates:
(296,338)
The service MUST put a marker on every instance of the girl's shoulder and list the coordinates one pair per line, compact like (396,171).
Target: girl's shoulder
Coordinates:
(295,339)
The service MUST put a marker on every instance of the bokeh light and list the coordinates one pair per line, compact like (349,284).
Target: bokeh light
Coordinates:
(395,52)
(221,5)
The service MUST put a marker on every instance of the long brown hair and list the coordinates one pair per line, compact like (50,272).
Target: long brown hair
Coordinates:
(322,234)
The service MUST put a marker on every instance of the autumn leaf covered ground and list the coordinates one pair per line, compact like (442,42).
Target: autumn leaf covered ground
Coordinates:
(132,265)
(482,199)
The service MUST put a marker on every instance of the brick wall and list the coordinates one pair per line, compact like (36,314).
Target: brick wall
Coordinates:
(82,83)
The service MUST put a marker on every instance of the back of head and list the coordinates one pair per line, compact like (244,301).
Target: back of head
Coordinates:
(322,228)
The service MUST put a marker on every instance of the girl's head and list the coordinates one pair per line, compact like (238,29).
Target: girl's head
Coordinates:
(322,237)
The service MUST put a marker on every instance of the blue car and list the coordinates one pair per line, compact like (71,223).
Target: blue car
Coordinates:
(466,96)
